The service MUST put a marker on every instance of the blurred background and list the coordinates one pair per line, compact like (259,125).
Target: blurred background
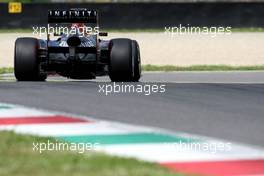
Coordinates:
(147,14)
(133,1)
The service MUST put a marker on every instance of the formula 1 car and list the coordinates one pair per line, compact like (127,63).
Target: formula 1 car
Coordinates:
(76,53)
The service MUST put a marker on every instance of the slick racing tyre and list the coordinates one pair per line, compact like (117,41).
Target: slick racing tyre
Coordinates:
(136,61)
(26,65)
(124,63)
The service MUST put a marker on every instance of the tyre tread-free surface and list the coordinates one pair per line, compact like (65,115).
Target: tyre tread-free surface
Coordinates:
(136,61)
(123,54)
(26,60)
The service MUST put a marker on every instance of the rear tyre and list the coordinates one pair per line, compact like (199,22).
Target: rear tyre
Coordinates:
(136,60)
(124,60)
(27,67)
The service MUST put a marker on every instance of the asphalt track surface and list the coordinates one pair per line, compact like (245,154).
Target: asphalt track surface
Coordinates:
(225,105)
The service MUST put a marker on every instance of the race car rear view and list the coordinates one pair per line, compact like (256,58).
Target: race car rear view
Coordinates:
(76,51)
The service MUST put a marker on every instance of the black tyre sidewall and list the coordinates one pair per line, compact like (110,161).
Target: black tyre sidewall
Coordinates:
(136,61)
(124,65)
(26,60)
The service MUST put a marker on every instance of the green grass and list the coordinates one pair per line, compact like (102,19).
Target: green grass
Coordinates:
(27,30)
(252,29)
(30,30)
(168,68)
(19,159)
(6,70)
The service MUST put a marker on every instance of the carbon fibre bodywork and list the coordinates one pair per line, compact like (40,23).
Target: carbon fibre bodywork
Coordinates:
(89,59)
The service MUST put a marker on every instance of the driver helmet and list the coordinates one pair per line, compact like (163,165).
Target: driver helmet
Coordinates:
(79,26)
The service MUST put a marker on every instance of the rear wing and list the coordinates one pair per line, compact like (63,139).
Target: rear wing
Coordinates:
(73,16)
